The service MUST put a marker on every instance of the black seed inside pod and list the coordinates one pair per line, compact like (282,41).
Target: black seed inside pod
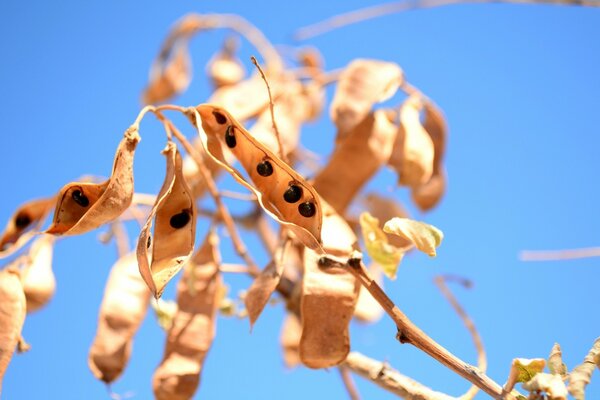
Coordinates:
(264,168)
(22,221)
(149,242)
(293,194)
(307,209)
(221,119)
(180,220)
(230,137)
(80,198)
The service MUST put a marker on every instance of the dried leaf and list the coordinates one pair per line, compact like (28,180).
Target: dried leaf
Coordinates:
(356,159)
(82,207)
(362,84)
(524,369)
(122,311)
(376,242)
(39,283)
(193,329)
(290,340)
(368,310)
(169,77)
(328,298)
(28,216)
(428,195)
(282,192)
(553,385)
(582,374)
(555,362)
(385,208)
(12,316)
(174,217)
(426,237)
(165,312)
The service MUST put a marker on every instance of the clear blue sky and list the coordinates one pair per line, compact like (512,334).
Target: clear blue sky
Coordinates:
(521,90)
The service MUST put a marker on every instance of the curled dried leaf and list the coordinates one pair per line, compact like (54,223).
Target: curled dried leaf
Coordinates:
(192,332)
(39,283)
(387,256)
(424,236)
(552,385)
(28,216)
(555,362)
(362,84)
(385,208)
(169,77)
(282,192)
(174,220)
(82,207)
(122,311)
(582,374)
(290,340)
(12,316)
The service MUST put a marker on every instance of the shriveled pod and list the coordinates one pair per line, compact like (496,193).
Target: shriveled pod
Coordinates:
(328,298)
(194,325)
(282,192)
(289,339)
(362,84)
(122,311)
(83,206)
(225,68)
(12,316)
(356,159)
(174,219)
(428,195)
(27,216)
(413,151)
(170,77)
(39,283)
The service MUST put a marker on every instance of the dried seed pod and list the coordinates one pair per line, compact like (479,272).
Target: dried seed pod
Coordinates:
(290,340)
(192,175)
(122,311)
(362,84)
(224,68)
(174,217)
(371,142)
(302,216)
(39,283)
(413,153)
(82,207)
(12,315)
(170,77)
(28,216)
(328,298)
(194,325)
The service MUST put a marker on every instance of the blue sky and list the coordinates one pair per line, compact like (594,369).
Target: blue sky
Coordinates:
(521,91)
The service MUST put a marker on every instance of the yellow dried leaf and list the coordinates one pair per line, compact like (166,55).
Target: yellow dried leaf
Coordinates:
(122,311)
(290,340)
(194,325)
(12,316)
(523,369)
(169,77)
(82,207)
(285,195)
(552,385)
(362,84)
(39,283)
(174,219)
(424,236)
(28,216)
(387,256)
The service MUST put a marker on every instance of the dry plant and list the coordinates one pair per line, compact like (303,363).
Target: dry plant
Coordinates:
(316,266)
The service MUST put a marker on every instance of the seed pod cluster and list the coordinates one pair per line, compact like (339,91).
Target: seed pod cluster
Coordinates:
(39,283)
(174,219)
(28,216)
(122,311)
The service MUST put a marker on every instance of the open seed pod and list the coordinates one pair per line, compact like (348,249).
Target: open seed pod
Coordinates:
(328,298)
(122,311)
(39,283)
(170,77)
(362,84)
(282,192)
(28,216)
(194,325)
(174,219)
(12,316)
(82,206)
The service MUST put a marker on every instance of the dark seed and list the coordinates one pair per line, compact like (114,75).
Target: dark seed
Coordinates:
(230,137)
(22,221)
(264,168)
(221,119)
(149,242)
(80,198)
(307,209)
(180,220)
(293,194)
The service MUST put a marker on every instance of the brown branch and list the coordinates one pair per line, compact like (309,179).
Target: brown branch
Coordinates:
(348,382)
(556,255)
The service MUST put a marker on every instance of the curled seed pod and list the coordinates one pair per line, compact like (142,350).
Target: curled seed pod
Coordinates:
(174,218)
(170,77)
(328,298)
(224,68)
(39,283)
(290,340)
(28,216)
(82,207)
(356,159)
(122,311)
(216,125)
(413,152)
(362,84)
(194,325)
(12,315)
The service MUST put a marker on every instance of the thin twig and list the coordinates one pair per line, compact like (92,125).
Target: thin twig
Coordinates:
(238,196)
(348,382)
(120,237)
(557,255)
(233,268)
